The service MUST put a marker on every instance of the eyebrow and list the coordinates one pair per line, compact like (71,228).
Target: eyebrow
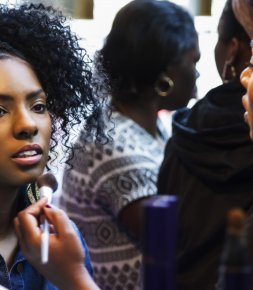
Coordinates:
(4,97)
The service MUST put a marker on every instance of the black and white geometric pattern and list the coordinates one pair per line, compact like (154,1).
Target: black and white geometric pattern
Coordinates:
(104,180)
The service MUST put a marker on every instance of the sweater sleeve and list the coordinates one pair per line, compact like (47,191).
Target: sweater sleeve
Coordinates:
(87,260)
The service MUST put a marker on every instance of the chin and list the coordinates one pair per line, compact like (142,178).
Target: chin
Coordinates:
(194,94)
(30,175)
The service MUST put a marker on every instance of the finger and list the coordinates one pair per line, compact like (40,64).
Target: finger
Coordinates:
(28,220)
(30,235)
(52,229)
(245,102)
(31,214)
(59,219)
(36,208)
(246,116)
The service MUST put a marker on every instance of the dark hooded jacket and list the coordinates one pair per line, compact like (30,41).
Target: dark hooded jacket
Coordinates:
(209,164)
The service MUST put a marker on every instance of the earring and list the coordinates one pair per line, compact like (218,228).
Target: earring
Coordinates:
(33,192)
(228,72)
(164,86)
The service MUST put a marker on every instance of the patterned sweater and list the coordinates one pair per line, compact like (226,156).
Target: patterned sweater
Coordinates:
(105,179)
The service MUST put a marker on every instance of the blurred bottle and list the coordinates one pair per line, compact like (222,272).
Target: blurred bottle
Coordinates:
(200,7)
(84,9)
(235,272)
(159,243)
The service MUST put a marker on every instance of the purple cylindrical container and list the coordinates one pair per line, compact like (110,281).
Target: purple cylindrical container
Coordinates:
(159,243)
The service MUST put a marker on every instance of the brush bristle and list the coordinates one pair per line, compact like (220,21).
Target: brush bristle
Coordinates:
(47,179)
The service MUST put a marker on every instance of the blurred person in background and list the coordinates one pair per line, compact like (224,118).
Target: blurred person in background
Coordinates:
(148,60)
(208,162)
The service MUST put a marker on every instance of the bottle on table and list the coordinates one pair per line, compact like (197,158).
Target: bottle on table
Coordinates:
(159,243)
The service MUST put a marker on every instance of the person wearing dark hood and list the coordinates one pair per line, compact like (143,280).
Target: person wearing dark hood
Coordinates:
(208,162)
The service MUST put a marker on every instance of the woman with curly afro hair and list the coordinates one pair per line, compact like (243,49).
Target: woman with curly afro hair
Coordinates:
(45,90)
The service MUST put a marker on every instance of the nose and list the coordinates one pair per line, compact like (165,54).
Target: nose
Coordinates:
(24,125)
(245,76)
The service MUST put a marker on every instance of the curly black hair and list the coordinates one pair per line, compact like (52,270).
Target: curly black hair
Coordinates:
(41,35)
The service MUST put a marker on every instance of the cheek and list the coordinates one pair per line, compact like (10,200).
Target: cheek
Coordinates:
(187,76)
(190,78)
(183,93)
(46,129)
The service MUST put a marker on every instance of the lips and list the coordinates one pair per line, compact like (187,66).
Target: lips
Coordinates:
(28,155)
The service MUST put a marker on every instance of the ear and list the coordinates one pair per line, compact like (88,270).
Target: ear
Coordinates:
(233,50)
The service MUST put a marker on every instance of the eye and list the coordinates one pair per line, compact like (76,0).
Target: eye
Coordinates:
(2,112)
(39,108)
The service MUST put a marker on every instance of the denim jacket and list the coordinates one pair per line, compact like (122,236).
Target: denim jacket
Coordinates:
(23,276)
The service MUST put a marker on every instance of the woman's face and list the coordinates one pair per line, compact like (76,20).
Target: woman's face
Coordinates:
(25,124)
(247,99)
(184,76)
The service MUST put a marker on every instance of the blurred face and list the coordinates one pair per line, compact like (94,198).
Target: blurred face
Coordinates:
(25,124)
(184,76)
(247,99)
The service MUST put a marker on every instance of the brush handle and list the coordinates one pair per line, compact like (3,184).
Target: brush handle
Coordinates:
(45,243)
(46,191)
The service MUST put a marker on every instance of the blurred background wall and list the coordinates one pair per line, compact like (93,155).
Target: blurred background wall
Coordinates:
(89,9)
(91,21)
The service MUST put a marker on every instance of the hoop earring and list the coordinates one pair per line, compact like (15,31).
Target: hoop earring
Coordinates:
(228,72)
(164,86)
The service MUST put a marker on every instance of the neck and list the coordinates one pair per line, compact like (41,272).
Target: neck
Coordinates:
(8,210)
(145,115)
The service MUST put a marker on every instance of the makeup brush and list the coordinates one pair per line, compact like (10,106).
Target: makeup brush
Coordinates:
(47,184)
